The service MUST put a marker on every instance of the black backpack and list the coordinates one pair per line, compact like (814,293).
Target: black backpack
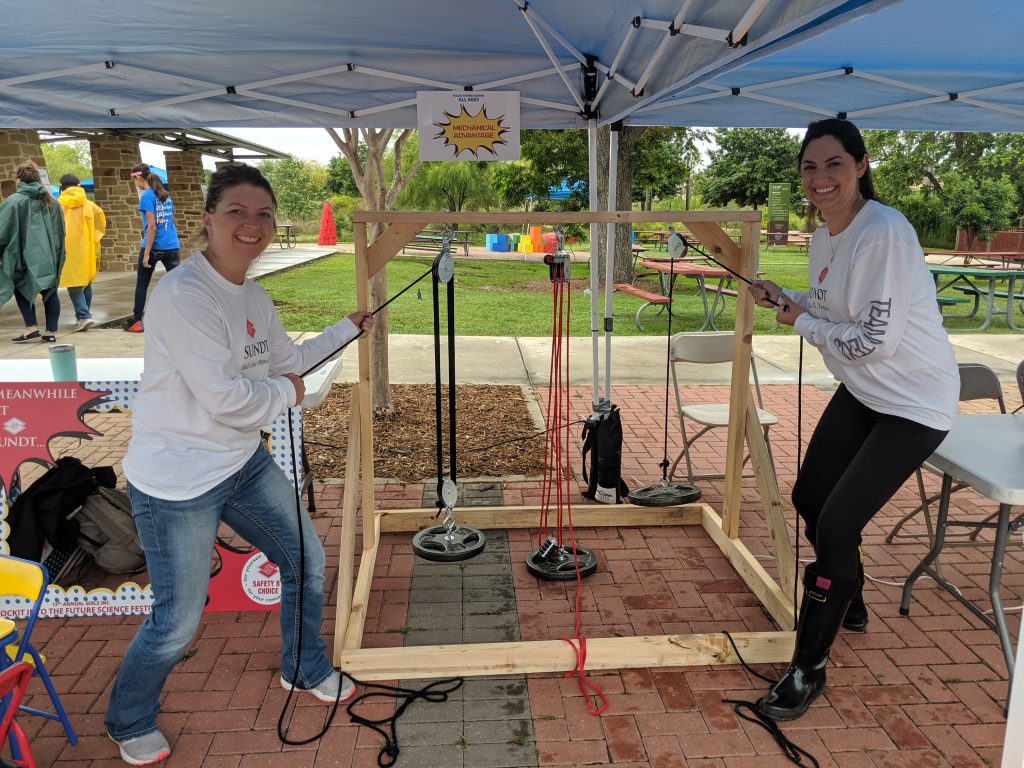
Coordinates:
(41,512)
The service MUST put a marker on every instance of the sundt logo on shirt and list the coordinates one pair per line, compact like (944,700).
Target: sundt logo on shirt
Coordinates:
(250,328)
(821,277)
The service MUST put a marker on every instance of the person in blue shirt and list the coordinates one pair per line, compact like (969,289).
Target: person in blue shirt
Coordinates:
(159,238)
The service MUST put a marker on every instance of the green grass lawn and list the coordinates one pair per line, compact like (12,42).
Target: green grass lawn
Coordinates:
(506,298)
(499,298)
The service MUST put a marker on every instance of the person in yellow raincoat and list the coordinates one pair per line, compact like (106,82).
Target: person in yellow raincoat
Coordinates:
(84,226)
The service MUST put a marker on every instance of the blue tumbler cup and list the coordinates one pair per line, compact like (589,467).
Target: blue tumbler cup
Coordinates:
(62,362)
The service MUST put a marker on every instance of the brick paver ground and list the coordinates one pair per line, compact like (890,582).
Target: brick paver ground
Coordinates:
(926,690)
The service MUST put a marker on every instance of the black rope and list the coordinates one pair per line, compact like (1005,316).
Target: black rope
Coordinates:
(438,437)
(389,752)
(668,367)
(391,745)
(794,753)
(450,293)
(374,312)
(731,271)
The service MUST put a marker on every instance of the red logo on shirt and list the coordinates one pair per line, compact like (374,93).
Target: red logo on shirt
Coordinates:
(250,328)
(821,277)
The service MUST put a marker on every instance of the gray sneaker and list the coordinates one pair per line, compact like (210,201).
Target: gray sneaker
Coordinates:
(84,324)
(149,748)
(327,691)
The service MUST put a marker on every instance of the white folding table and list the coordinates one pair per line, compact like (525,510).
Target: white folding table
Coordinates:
(986,451)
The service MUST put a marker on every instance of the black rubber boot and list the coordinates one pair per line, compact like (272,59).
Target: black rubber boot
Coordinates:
(856,619)
(821,612)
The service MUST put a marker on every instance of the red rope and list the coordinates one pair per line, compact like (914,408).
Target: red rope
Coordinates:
(556,471)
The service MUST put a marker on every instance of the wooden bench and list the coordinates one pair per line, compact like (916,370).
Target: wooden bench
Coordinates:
(648,296)
(284,235)
(431,239)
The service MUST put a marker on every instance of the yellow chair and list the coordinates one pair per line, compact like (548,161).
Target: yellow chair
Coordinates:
(23,585)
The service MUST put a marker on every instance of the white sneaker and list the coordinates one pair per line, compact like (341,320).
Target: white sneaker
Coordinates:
(85,324)
(327,691)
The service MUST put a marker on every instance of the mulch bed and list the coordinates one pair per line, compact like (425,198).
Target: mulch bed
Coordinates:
(405,443)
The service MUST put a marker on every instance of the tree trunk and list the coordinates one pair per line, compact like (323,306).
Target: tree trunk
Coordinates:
(628,137)
(379,194)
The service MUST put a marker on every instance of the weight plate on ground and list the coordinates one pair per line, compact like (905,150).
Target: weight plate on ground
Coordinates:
(442,547)
(664,495)
(558,564)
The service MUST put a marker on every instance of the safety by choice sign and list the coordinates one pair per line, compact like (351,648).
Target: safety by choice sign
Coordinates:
(468,125)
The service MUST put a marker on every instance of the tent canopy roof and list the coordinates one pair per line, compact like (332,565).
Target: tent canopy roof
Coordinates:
(883,63)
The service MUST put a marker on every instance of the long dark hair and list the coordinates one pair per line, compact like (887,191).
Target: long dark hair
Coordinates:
(153,180)
(28,173)
(847,134)
(232,175)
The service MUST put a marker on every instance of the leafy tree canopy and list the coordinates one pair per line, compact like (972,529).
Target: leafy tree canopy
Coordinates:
(449,186)
(67,157)
(745,162)
(300,186)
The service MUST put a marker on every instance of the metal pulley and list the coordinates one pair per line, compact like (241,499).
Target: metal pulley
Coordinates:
(677,245)
(448,542)
(444,264)
(558,563)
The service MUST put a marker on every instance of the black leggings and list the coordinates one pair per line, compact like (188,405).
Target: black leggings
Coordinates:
(856,460)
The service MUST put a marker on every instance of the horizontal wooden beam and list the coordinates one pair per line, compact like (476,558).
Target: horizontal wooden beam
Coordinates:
(583,516)
(581,217)
(557,656)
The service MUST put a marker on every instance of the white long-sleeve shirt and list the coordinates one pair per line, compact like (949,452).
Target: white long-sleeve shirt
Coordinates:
(871,311)
(215,355)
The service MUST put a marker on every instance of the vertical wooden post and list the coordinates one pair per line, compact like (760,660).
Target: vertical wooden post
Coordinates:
(740,400)
(365,423)
(347,553)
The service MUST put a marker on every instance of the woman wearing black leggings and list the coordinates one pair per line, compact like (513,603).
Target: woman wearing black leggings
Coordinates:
(870,310)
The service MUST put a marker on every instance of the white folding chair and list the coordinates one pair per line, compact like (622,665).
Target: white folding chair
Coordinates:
(977,382)
(701,348)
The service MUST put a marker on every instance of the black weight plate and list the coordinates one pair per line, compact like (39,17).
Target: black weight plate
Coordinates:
(559,566)
(437,545)
(664,495)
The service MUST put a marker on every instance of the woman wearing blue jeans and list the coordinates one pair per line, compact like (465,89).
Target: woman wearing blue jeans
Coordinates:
(218,366)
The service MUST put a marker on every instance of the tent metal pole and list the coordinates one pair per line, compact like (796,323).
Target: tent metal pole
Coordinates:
(609,259)
(595,285)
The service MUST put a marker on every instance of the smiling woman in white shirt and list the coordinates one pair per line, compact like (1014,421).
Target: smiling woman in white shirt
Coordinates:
(871,312)
(218,365)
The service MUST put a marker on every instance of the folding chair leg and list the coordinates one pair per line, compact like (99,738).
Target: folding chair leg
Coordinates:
(59,713)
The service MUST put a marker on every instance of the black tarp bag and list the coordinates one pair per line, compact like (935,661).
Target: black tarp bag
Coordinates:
(602,443)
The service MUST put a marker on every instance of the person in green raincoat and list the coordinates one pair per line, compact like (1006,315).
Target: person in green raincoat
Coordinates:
(31,252)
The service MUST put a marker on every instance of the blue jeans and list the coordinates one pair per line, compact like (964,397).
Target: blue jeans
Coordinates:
(143,275)
(177,536)
(51,309)
(81,300)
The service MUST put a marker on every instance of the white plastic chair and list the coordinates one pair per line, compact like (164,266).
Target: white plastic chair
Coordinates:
(701,348)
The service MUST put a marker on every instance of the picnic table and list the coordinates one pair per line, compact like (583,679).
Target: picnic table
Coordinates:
(799,239)
(431,239)
(285,236)
(657,238)
(668,270)
(968,281)
(1006,258)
